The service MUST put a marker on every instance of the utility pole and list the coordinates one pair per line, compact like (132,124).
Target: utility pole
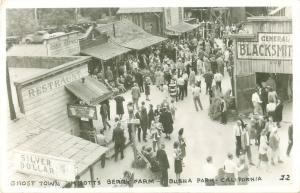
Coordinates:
(77,13)
(36,18)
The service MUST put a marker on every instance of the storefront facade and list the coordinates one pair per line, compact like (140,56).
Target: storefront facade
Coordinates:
(46,97)
(266,51)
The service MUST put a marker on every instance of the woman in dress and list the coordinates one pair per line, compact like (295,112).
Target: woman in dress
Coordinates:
(182,143)
(119,105)
(263,150)
(177,161)
(147,88)
(166,121)
(157,78)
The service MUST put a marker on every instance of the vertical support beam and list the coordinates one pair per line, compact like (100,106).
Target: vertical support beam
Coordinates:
(103,68)
(92,176)
(117,62)
(234,77)
(12,111)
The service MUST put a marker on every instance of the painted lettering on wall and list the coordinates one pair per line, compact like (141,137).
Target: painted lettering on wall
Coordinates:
(65,45)
(268,47)
(44,165)
(54,83)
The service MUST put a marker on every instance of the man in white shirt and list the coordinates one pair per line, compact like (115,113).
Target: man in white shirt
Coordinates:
(210,172)
(246,146)
(238,142)
(256,103)
(218,77)
(196,96)
(230,169)
(180,83)
(226,56)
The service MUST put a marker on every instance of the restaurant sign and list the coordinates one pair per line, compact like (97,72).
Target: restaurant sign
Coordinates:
(55,82)
(269,46)
(82,111)
(64,45)
(44,165)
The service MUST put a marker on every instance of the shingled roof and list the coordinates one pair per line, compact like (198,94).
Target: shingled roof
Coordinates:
(140,10)
(129,35)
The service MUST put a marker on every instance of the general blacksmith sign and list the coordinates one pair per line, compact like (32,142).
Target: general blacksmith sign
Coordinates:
(64,45)
(269,46)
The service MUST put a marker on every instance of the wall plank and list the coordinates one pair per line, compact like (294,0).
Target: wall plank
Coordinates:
(50,108)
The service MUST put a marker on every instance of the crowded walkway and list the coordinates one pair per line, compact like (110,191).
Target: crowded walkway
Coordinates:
(214,139)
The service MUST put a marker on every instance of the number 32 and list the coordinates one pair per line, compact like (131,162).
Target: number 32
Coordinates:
(285,177)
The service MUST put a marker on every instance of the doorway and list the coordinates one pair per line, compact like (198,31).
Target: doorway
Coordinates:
(283,84)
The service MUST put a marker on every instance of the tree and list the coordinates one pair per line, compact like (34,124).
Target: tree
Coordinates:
(57,16)
(20,21)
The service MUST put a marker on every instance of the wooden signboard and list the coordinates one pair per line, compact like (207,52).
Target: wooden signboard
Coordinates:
(269,46)
(64,45)
(44,165)
(82,111)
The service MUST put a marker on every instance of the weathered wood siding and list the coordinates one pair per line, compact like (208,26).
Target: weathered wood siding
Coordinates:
(272,26)
(245,69)
(265,66)
(49,107)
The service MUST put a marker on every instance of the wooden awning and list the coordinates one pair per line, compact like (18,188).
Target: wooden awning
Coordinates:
(105,51)
(141,43)
(180,28)
(90,90)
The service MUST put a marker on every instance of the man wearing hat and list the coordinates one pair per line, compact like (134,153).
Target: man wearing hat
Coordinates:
(119,139)
(163,161)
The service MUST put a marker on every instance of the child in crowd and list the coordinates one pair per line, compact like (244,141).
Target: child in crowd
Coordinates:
(173,109)
(165,89)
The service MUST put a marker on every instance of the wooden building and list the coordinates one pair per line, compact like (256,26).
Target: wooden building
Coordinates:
(44,96)
(266,50)
(30,137)
(150,19)
(104,52)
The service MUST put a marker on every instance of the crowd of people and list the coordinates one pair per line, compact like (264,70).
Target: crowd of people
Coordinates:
(175,68)
(260,133)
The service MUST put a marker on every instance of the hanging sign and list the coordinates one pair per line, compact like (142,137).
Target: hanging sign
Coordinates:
(82,111)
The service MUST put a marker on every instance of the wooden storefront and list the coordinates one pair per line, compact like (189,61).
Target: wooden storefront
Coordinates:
(44,97)
(266,49)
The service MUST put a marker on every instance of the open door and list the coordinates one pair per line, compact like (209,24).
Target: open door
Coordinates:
(245,85)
